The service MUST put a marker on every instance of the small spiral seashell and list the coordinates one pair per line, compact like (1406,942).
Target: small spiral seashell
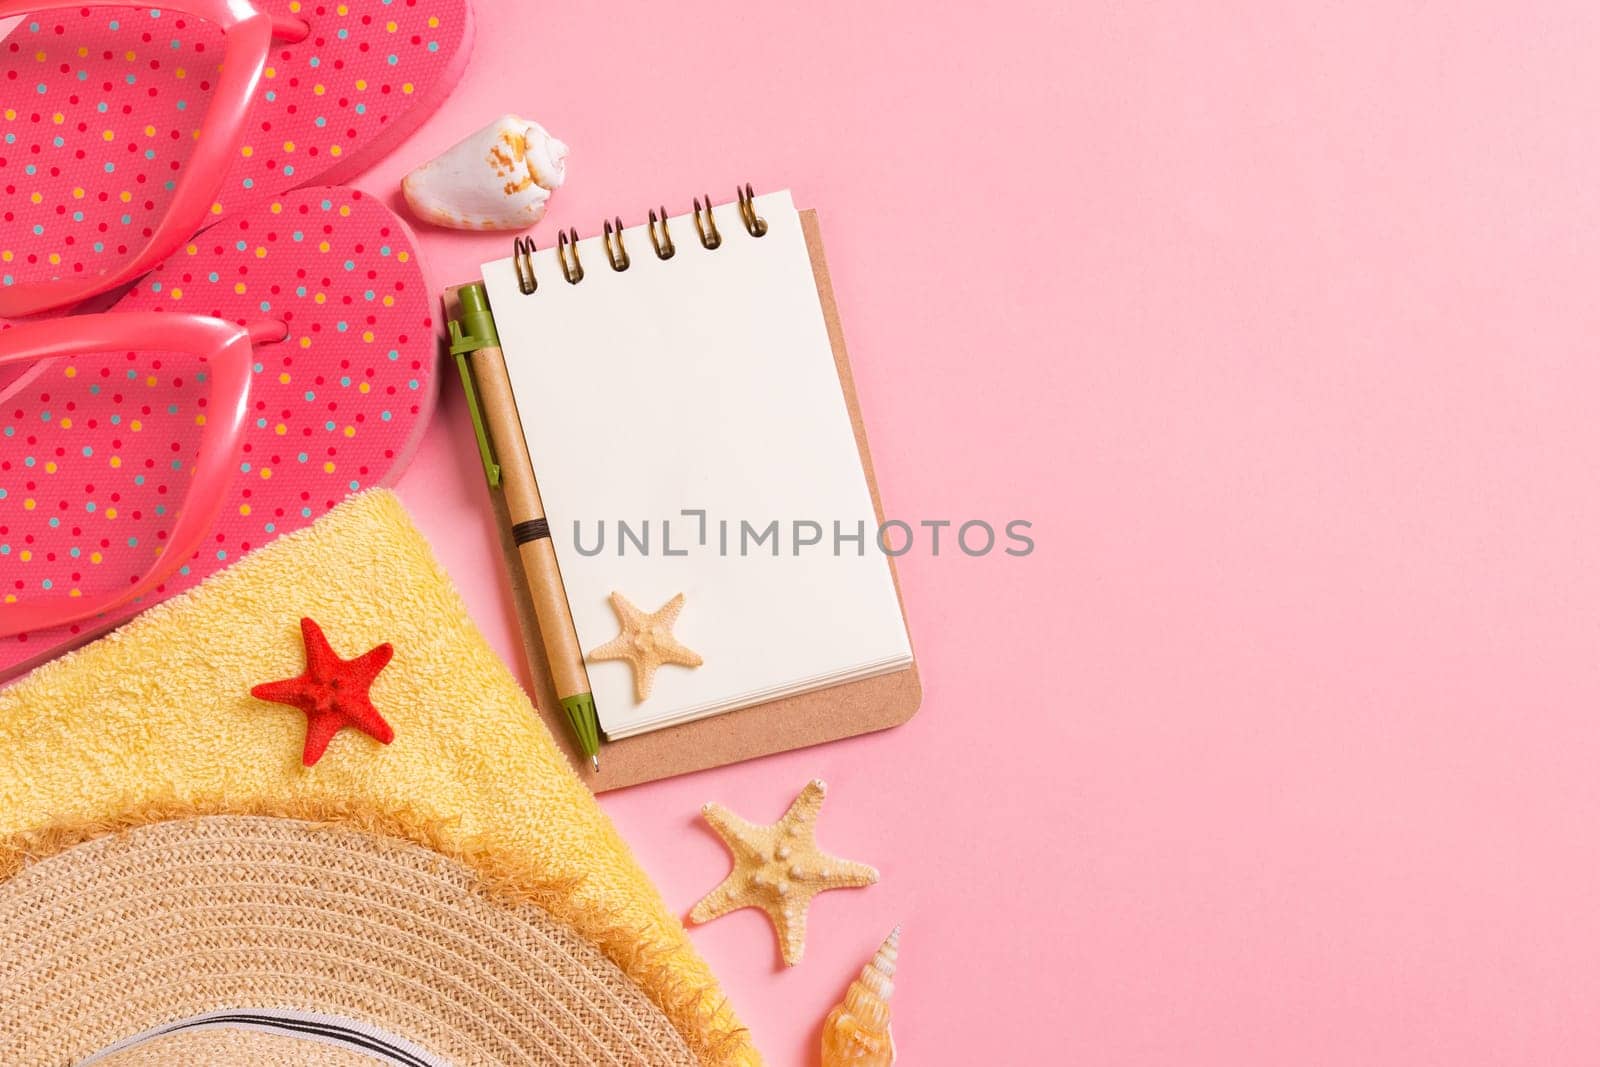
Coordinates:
(856,1032)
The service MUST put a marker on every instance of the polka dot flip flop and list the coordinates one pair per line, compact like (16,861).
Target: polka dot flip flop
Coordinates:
(125,130)
(102,456)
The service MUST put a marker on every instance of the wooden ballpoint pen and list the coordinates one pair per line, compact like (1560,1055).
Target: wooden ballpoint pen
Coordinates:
(476,347)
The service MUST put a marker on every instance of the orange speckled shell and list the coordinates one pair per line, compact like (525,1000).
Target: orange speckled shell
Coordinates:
(856,1033)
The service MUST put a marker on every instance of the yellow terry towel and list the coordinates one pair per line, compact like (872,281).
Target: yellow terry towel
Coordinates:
(157,720)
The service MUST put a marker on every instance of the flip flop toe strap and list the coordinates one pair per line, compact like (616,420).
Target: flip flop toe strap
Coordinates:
(228,351)
(248,34)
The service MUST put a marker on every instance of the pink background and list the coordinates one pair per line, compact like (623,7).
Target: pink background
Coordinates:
(1279,324)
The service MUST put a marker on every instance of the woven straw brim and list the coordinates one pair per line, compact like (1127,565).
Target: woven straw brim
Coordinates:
(130,933)
(227,1047)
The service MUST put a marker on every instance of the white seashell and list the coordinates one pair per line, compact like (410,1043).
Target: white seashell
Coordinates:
(497,179)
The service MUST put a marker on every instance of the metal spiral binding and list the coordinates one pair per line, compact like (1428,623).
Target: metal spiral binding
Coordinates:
(665,249)
(747,211)
(710,236)
(573,267)
(619,256)
(522,260)
(705,224)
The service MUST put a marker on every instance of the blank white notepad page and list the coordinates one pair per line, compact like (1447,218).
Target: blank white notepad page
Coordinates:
(707,383)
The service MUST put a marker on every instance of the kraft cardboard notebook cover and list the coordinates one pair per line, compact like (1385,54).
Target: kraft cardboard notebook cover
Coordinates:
(826,714)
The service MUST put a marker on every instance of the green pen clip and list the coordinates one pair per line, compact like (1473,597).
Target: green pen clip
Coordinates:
(475,330)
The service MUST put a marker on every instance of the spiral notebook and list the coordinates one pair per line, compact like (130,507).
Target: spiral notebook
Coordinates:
(688,408)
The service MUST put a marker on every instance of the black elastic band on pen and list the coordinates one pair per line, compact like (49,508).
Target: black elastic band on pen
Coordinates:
(532,530)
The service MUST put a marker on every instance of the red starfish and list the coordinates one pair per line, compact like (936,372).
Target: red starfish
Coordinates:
(333,692)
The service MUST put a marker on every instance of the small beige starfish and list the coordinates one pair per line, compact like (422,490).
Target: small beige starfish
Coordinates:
(646,642)
(778,868)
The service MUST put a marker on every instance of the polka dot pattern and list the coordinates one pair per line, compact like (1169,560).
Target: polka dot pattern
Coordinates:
(95,451)
(100,109)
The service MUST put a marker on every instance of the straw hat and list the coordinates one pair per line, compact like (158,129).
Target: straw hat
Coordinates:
(321,943)
(314,943)
(176,888)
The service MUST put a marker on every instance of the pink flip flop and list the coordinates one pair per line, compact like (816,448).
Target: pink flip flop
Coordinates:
(109,460)
(124,130)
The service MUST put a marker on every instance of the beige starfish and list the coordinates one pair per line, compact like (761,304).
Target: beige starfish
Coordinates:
(646,642)
(778,868)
